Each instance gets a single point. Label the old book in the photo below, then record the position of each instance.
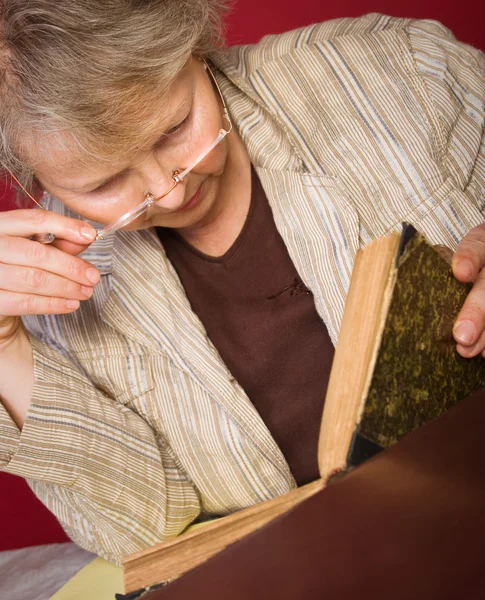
(395, 368)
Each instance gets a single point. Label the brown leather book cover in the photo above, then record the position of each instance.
(407, 524)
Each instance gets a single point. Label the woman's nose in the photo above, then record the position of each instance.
(161, 184)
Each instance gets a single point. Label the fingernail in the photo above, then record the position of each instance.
(88, 233)
(87, 291)
(464, 332)
(464, 267)
(93, 275)
(72, 303)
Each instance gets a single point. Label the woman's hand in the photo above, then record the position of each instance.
(468, 263)
(41, 279)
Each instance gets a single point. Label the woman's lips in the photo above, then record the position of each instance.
(192, 202)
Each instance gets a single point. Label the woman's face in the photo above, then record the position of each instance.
(192, 118)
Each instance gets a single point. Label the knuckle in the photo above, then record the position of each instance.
(37, 252)
(471, 309)
(35, 278)
(52, 305)
(37, 217)
(28, 305)
(474, 313)
(71, 289)
(74, 267)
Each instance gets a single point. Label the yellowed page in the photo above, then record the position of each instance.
(362, 323)
(171, 559)
(99, 580)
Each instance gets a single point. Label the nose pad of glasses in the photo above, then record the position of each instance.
(176, 176)
(149, 199)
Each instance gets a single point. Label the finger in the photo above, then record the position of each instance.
(14, 304)
(474, 350)
(70, 247)
(28, 222)
(469, 257)
(470, 323)
(25, 253)
(30, 280)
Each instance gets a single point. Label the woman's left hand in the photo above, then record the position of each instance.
(468, 263)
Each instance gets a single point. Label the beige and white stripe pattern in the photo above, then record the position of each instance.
(136, 425)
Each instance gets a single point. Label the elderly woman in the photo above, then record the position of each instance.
(177, 367)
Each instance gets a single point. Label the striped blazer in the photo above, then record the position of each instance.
(136, 425)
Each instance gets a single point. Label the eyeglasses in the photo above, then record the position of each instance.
(149, 199)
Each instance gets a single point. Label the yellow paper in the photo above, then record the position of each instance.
(99, 580)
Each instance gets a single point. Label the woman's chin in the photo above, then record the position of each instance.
(176, 220)
(187, 219)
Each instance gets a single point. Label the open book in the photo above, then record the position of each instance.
(395, 368)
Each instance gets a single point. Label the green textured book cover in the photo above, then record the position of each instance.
(418, 373)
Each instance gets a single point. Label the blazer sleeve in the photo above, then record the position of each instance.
(99, 467)
(452, 75)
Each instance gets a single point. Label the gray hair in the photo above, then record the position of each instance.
(91, 69)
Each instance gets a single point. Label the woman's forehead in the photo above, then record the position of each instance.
(60, 156)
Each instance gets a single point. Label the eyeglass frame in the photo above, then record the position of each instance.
(177, 177)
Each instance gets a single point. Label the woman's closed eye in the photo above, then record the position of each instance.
(172, 133)
(108, 184)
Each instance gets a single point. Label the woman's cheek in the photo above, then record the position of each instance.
(215, 161)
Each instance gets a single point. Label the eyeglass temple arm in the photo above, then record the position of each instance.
(25, 191)
(43, 238)
(180, 176)
(222, 132)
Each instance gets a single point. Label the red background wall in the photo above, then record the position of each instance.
(252, 19)
(23, 520)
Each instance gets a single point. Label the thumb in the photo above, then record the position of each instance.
(69, 247)
(469, 257)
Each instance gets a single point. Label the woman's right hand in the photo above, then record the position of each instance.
(41, 279)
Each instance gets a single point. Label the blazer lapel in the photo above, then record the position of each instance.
(147, 303)
(321, 231)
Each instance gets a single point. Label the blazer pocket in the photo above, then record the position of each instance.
(123, 378)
